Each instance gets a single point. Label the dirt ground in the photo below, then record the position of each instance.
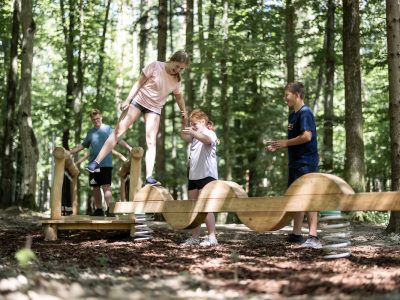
(245, 265)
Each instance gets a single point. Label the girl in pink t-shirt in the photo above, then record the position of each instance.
(148, 95)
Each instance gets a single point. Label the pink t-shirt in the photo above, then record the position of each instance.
(158, 86)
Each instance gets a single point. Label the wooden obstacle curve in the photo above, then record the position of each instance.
(311, 192)
(63, 161)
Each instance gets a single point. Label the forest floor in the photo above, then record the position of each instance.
(245, 265)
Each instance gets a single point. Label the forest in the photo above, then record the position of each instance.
(60, 59)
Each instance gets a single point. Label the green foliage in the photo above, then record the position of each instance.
(25, 257)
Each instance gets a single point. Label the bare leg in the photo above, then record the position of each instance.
(312, 218)
(97, 197)
(193, 194)
(152, 123)
(298, 222)
(128, 117)
(107, 194)
(210, 224)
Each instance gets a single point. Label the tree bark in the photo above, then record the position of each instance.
(7, 169)
(102, 54)
(189, 91)
(354, 155)
(30, 152)
(209, 59)
(69, 50)
(225, 104)
(393, 45)
(161, 56)
(290, 40)
(329, 89)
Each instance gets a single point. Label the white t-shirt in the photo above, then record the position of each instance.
(158, 86)
(203, 157)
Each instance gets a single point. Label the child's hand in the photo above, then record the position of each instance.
(124, 105)
(187, 130)
(275, 145)
(270, 148)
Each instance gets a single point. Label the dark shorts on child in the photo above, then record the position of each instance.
(101, 178)
(296, 172)
(143, 109)
(200, 183)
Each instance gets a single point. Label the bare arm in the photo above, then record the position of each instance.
(76, 149)
(182, 107)
(205, 139)
(304, 137)
(135, 88)
(81, 159)
(125, 145)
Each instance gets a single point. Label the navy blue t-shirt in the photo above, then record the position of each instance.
(307, 153)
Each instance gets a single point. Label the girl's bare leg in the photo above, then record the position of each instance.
(193, 194)
(127, 118)
(152, 123)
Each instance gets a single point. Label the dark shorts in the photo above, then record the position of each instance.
(296, 172)
(143, 109)
(200, 183)
(101, 178)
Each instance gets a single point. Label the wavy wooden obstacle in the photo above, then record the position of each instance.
(63, 161)
(312, 192)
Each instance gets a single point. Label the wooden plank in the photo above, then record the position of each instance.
(383, 201)
(95, 226)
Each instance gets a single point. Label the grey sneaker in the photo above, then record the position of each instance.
(190, 242)
(312, 242)
(209, 241)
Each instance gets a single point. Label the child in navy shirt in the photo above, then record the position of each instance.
(303, 156)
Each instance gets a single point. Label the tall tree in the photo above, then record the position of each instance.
(189, 91)
(225, 103)
(329, 89)
(290, 41)
(354, 154)
(7, 169)
(210, 58)
(30, 152)
(102, 53)
(393, 45)
(69, 35)
(161, 56)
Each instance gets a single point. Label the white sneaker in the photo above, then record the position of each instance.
(209, 241)
(191, 241)
(312, 242)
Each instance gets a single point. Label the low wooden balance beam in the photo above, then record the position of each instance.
(63, 161)
(311, 192)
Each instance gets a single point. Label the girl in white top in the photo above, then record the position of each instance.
(202, 167)
(148, 96)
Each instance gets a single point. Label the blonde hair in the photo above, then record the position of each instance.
(94, 112)
(180, 56)
(198, 114)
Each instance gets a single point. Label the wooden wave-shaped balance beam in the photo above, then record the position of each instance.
(311, 192)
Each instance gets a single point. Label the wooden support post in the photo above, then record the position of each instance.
(136, 170)
(59, 154)
(50, 232)
(122, 173)
(73, 172)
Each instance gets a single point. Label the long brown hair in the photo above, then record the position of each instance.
(198, 114)
(180, 56)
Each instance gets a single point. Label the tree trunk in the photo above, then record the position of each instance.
(30, 152)
(330, 79)
(354, 156)
(225, 104)
(69, 50)
(161, 56)
(102, 54)
(209, 59)
(143, 37)
(189, 91)
(290, 40)
(7, 169)
(393, 45)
